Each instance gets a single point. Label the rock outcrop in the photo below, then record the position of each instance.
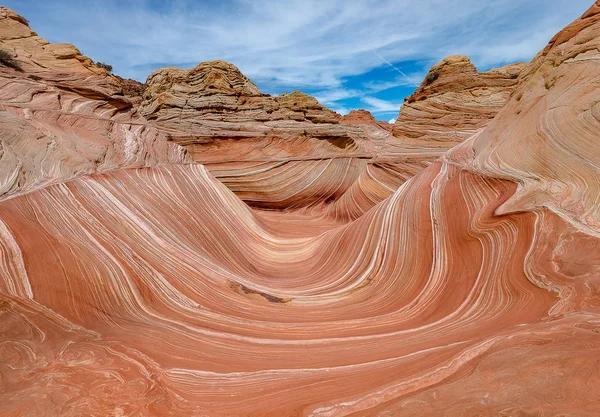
(473, 288)
(257, 144)
(453, 102)
(283, 152)
(62, 117)
(363, 117)
(546, 137)
(213, 108)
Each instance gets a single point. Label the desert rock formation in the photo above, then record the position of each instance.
(283, 152)
(62, 117)
(136, 280)
(453, 102)
(257, 144)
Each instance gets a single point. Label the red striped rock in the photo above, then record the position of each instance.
(472, 289)
(257, 144)
(363, 117)
(546, 138)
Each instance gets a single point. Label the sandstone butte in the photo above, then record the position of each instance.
(193, 247)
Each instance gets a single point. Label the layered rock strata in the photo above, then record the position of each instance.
(62, 117)
(281, 152)
(453, 102)
(257, 144)
(472, 289)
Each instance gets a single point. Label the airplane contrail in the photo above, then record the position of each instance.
(391, 65)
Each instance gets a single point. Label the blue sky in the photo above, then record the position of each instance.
(348, 53)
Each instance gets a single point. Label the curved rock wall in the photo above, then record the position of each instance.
(546, 138)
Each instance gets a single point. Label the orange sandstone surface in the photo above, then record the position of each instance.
(203, 249)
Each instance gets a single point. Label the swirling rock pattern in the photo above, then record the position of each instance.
(184, 266)
(257, 144)
(62, 117)
(546, 138)
(156, 290)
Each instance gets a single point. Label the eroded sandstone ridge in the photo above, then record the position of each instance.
(286, 151)
(257, 144)
(138, 281)
(453, 102)
(61, 116)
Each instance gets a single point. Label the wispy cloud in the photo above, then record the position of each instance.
(410, 80)
(377, 105)
(334, 95)
(341, 110)
(306, 44)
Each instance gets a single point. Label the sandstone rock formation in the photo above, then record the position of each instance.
(257, 145)
(149, 287)
(546, 138)
(281, 152)
(61, 116)
(213, 106)
(453, 102)
(363, 117)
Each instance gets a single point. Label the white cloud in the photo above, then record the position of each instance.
(392, 121)
(304, 43)
(411, 80)
(377, 105)
(331, 96)
(341, 110)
